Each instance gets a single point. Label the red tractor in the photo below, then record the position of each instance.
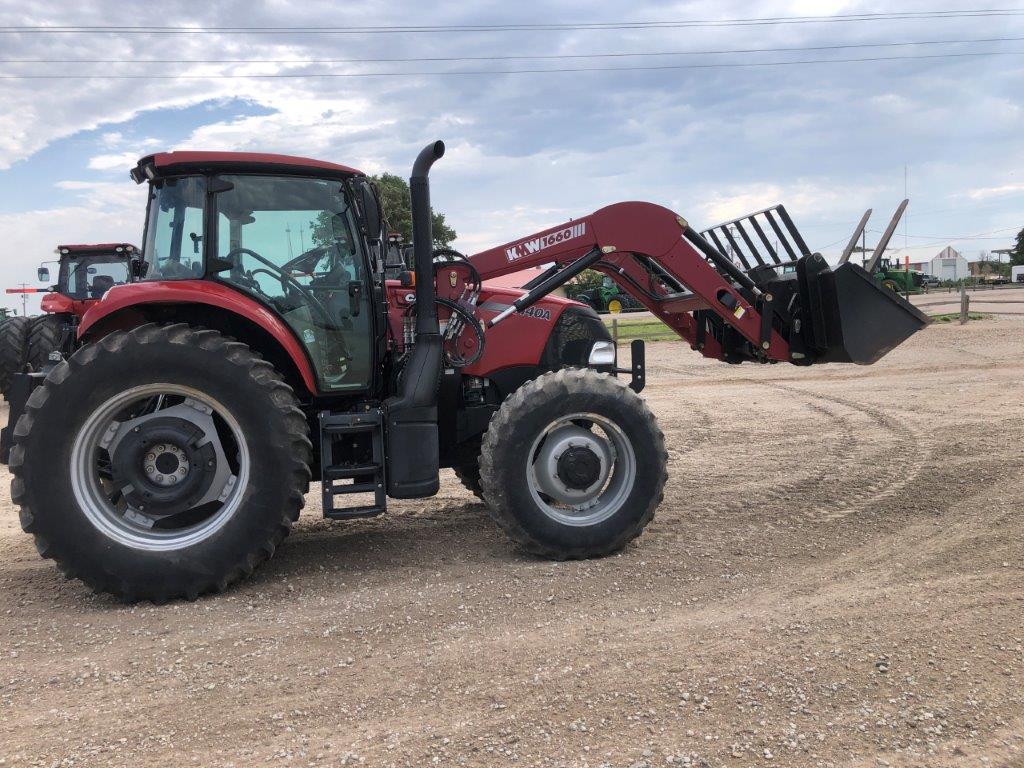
(85, 273)
(171, 453)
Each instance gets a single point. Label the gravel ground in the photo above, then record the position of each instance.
(834, 578)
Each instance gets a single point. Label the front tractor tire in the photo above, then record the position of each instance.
(160, 463)
(13, 349)
(573, 465)
(44, 335)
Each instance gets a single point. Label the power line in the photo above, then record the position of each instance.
(522, 57)
(538, 27)
(940, 238)
(448, 73)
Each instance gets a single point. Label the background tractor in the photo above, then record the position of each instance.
(606, 296)
(897, 278)
(84, 274)
(170, 454)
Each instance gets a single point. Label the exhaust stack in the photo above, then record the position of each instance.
(412, 435)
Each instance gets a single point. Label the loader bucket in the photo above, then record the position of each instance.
(855, 318)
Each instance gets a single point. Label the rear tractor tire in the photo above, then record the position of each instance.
(13, 349)
(573, 465)
(159, 463)
(467, 468)
(44, 336)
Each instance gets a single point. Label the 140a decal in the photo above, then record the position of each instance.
(538, 312)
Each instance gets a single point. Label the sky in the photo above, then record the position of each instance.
(528, 150)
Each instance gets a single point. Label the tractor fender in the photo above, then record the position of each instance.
(125, 306)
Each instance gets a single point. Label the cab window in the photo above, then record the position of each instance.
(90, 277)
(174, 230)
(291, 243)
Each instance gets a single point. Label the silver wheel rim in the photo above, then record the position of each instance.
(134, 527)
(616, 477)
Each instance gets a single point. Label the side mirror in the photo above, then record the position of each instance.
(372, 221)
(44, 274)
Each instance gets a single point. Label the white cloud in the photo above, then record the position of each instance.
(984, 193)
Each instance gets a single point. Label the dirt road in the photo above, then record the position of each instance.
(834, 578)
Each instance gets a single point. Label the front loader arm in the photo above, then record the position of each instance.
(646, 250)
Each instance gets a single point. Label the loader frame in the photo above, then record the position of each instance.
(659, 259)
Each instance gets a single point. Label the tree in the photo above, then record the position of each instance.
(394, 197)
(396, 202)
(585, 281)
(1017, 257)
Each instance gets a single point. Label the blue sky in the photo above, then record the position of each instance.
(527, 151)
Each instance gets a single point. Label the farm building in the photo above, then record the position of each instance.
(949, 264)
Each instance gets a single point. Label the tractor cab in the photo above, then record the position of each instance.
(288, 234)
(85, 273)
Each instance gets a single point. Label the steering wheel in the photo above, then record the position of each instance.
(288, 283)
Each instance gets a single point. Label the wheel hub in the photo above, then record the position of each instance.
(164, 465)
(572, 465)
(579, 467)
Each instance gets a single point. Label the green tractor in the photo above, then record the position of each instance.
(608, 297)
(897, 278)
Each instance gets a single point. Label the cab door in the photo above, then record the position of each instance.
(291, 243)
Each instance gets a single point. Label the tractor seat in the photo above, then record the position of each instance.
(100, 285)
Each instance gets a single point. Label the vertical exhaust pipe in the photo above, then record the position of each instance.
(413, 456)
(423, 238)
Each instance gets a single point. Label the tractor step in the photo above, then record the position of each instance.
(352, 449)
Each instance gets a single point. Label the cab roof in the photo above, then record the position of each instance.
(96, 248)
(173, 163)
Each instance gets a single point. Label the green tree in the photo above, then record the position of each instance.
(396, 202)
(586, 280)
(1017, 257)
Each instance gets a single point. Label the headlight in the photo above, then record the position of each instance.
(602, 353)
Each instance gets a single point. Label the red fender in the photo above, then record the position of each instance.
(213, 294)
(58, 303)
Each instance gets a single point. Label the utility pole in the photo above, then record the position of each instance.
(24, 299)
(906, 196)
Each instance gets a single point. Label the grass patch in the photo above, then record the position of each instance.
(950, 317)
(644, 328)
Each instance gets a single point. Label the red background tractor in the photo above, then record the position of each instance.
(85, 273)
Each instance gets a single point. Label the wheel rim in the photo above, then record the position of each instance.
(159, 467)
(589, 495)
(614, 306)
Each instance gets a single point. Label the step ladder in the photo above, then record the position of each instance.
(340, 474)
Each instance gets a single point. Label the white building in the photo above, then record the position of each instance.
(949, 264)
